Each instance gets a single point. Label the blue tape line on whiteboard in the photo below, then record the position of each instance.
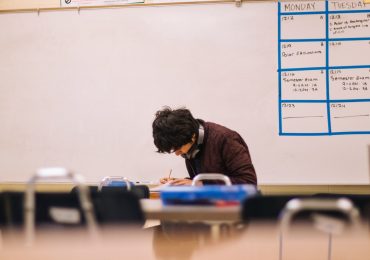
(326, 134)
(302, 13)
(348, 100)
(323, 101)
(328, 111)
(323, 12)
(305, 134)
(323, 39)
(329, 39)
(303, 40)
(349, 39)
(302, 69)
(279, 67)
(351, 133)
(324, 68)
(349, 67)
(303, 101)
(349, 12)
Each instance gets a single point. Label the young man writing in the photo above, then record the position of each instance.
(207, 147)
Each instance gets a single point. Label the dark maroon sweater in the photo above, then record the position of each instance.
(223, 151)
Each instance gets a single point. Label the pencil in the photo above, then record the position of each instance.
(169, 176)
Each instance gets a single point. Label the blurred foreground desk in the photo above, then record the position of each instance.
(154, 209)
(256, 243)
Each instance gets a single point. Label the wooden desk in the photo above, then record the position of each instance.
(154, 209)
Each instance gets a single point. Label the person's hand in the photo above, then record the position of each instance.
(180, 182)
(165, 180)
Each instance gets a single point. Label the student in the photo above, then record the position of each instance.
(207, 147)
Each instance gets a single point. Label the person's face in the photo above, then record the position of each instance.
(185, 148)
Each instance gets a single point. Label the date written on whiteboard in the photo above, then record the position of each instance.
(333, 44)
(287, 18)
(287, 105)
(338, 105)
(334, 17)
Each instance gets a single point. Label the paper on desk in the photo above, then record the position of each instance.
(149, 183)
(159, 187)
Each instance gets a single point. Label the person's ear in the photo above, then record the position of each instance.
(193, 138)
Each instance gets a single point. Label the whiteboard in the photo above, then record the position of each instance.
(80, 90)
(324, 84)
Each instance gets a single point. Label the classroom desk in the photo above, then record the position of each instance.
(263, 242)
(258, 242)
(154, 209)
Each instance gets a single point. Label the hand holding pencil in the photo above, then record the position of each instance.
(174, 181)
(167, 179)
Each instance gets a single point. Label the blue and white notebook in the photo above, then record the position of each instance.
(207, 195)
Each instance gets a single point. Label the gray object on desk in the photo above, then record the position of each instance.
(56, 173)
(326, 224)
(106, 180)
(211, 176)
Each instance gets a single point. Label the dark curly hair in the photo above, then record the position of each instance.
(172, 128)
